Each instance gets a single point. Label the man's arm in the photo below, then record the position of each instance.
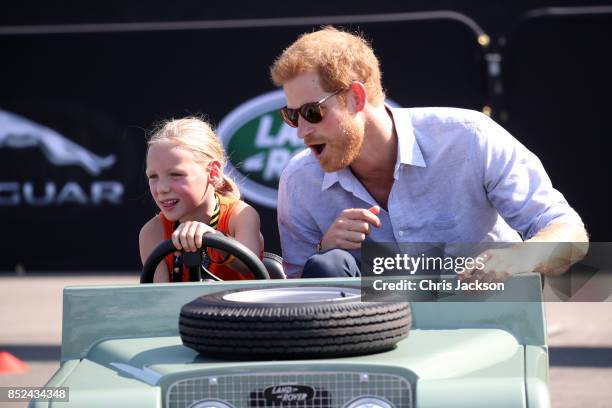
(550, 252)
(519, 188)
(567, 244)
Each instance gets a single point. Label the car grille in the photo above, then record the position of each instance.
(329, 389)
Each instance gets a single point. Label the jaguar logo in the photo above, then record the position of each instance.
(288, 393)
(18, 132)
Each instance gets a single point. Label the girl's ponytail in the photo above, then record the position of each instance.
(228, 188)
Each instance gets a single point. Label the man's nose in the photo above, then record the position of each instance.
(304, 127)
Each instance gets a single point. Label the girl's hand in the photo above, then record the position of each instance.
(188, 235)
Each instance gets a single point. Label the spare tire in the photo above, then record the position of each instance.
(291, 322)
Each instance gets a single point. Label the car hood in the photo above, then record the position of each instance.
(428, 354)
(461, 367)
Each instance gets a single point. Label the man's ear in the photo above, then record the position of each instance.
(358, 95)
(215, 174)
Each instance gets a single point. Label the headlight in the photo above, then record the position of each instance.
(369, 402)
(210, 404)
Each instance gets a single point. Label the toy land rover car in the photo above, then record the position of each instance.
(297, 343)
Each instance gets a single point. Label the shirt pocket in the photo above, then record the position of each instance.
(444, 228)
(444, 221)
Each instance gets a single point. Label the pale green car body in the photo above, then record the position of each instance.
(121, 348)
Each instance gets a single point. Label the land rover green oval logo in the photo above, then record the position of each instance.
(259, 145)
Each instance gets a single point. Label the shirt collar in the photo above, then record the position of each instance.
(342, 176)
(408, 151)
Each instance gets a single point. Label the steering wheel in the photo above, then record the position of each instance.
(217, 241)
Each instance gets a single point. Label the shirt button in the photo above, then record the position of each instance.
(401, 233)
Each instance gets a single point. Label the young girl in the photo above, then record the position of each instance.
(185, 161)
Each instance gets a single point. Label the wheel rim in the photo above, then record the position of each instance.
(295, 295)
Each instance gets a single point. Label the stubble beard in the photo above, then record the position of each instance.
(346, 148)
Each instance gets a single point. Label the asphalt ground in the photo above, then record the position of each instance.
(580, 337)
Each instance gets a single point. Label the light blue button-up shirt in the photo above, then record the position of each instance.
(459, 177)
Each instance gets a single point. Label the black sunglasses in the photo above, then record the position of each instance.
(310, 111)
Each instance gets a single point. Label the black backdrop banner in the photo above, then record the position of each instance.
(76, 103)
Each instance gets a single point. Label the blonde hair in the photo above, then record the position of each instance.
(338, 57)
(197, 136)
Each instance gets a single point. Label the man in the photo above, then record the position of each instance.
(415, 175)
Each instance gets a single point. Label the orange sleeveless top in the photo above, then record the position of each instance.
(226, 209)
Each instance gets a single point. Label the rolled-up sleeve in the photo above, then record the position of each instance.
(299, 234)
(517, 184)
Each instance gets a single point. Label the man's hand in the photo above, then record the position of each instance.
(350, 229)
(502, 263)
(547, 258)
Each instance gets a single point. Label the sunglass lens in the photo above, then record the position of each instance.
(290, 116)
(311, 112)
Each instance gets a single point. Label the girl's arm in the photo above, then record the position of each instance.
(244, 226)
(151, 234)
